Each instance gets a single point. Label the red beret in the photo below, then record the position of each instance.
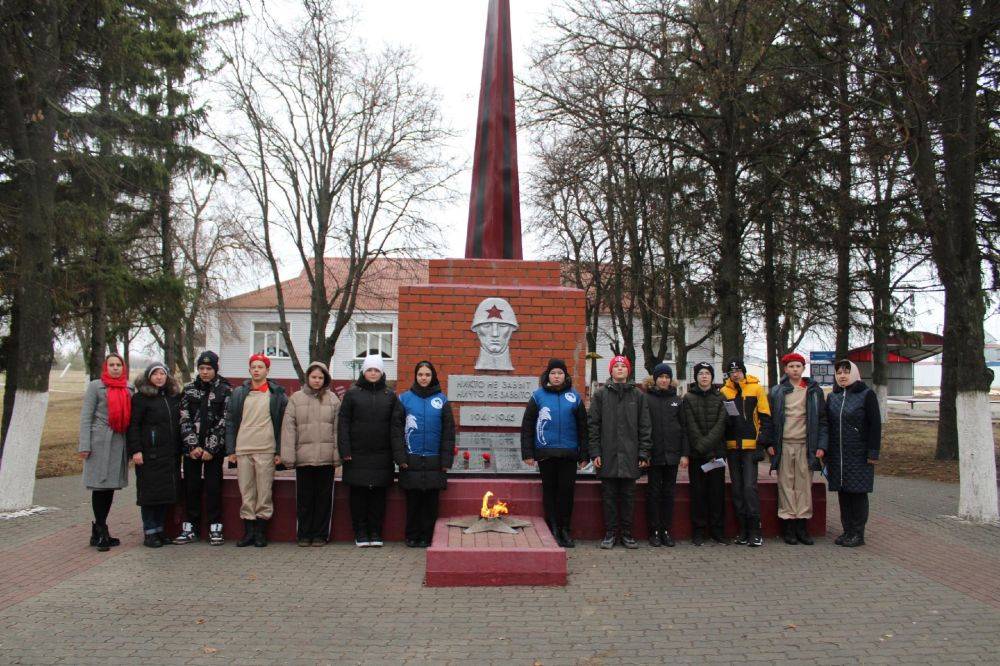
(620, 359)
(263, 359)
(788, 358)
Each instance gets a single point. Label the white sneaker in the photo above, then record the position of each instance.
(362, 542)
(187, 534)
(215, 534)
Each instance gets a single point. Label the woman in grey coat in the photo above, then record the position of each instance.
(104, 419)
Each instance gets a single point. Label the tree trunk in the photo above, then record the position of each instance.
(10, 378)
(98, 327)
(770, 300)
(842, 307)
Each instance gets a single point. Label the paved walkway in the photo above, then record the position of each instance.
(925, 589)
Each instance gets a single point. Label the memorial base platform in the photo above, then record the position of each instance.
(530, 557)
(523, 497)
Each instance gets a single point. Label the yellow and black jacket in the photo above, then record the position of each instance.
(752, 427)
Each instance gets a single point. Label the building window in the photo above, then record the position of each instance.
(373, 338)
(668, 355)
(268, 340)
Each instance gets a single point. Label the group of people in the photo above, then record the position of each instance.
(179, 438)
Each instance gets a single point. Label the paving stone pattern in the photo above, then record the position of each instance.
(923, 591)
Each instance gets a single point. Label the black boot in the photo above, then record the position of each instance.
(802, 533)
(103, 539)
(95, 534)
(654, 538)
(666, 539)
(249, 530)
(567, 539)
(788, 532)
(260, 534)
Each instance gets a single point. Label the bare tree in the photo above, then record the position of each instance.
(341, 151)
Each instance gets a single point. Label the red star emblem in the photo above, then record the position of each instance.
(494, 313)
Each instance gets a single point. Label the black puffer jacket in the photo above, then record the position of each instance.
(855, 424)
(619, 430)
(669, 438)
(155, 432)
(365, 433)
(705, 422)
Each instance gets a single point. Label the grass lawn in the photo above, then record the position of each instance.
(907, 446)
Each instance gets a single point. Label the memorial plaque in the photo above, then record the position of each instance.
(490, 388)
(493, 417)
(504, 449)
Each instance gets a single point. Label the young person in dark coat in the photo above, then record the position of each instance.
(154, 442)
(253, 442)
(365, 441)
(104, 420)
(620, 437)
(705, 422)
(670, 451)
(855, 426)
(203, 433)
(423, 445)
(798, 444)
(554, 434)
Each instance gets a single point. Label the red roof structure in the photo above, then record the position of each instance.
(906, 348)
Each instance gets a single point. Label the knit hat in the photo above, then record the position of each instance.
(736, 364)
(620, 359)
(662, 369)
(788, 358)
(262, 358)
(373, 361)
(698, 367)
(153, 367)
(208, 358)
(556, 363)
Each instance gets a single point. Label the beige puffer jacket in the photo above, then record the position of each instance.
(309, 430)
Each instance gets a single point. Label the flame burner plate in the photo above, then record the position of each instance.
(503, 524)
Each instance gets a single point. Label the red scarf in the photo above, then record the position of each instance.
(119, 400)
(262, 388)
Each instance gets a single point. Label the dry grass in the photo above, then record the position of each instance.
(57, 456)
(907, 446)
(908, 450)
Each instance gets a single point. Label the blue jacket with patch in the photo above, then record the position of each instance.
(422, 428)
(554, 424)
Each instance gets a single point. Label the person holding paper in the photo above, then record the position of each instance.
(620, 437)
(798, 445)
(670, 451)
(855, 440)
(705, 423)
(747, 430)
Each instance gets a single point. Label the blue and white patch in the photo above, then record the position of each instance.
(437, 403)
(571, 397)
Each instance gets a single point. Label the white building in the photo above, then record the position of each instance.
(248, 323)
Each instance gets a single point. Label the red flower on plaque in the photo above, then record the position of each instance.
(456, 451)
(486, 456)
(466, 455)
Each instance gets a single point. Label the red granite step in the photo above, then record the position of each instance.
(530, 557)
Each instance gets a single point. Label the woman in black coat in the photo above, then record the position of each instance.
(154, 443)
(365, 441)
(855, 427)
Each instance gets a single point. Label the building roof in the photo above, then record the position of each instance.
(379, 290)
(908, 347)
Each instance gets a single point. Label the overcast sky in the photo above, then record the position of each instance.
(446, 36)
